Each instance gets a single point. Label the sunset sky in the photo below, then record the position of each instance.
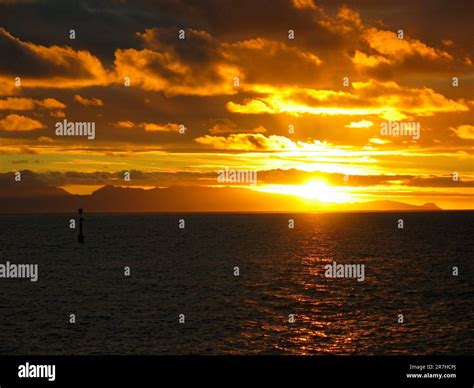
(302, 112)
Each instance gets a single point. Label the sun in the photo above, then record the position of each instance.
(321, 192)
(316, 190)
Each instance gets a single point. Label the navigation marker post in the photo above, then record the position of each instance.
(80, 237)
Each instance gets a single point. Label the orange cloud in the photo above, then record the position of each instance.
(377, 140)
(203, 66)
(45, 139)
(58, 113)
(301, 4)
(124, 124)
(464, 131)
(7, 87)
(152, 127)
(172, 65)
(53, 67)
(362, 59)
(346, 23)
(88, 101)
(263, 61)
(21, 103)
(349, 15)
(387, 43)
(389, 57)
(17, 104)
(50, 103)
(227, 126)
(387, 100)
(258, 142)
(19, 123)
(245, 142)
(149, 127)
(163, 72)
(360, 124)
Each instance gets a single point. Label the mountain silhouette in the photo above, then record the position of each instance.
(39, 198)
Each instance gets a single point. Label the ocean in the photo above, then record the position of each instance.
(183, 295)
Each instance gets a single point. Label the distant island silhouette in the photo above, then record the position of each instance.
(41, 198)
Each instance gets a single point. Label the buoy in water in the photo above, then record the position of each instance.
(80, 237)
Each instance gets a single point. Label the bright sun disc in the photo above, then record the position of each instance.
(312, 190)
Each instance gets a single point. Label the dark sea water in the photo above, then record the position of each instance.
(407, 271)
